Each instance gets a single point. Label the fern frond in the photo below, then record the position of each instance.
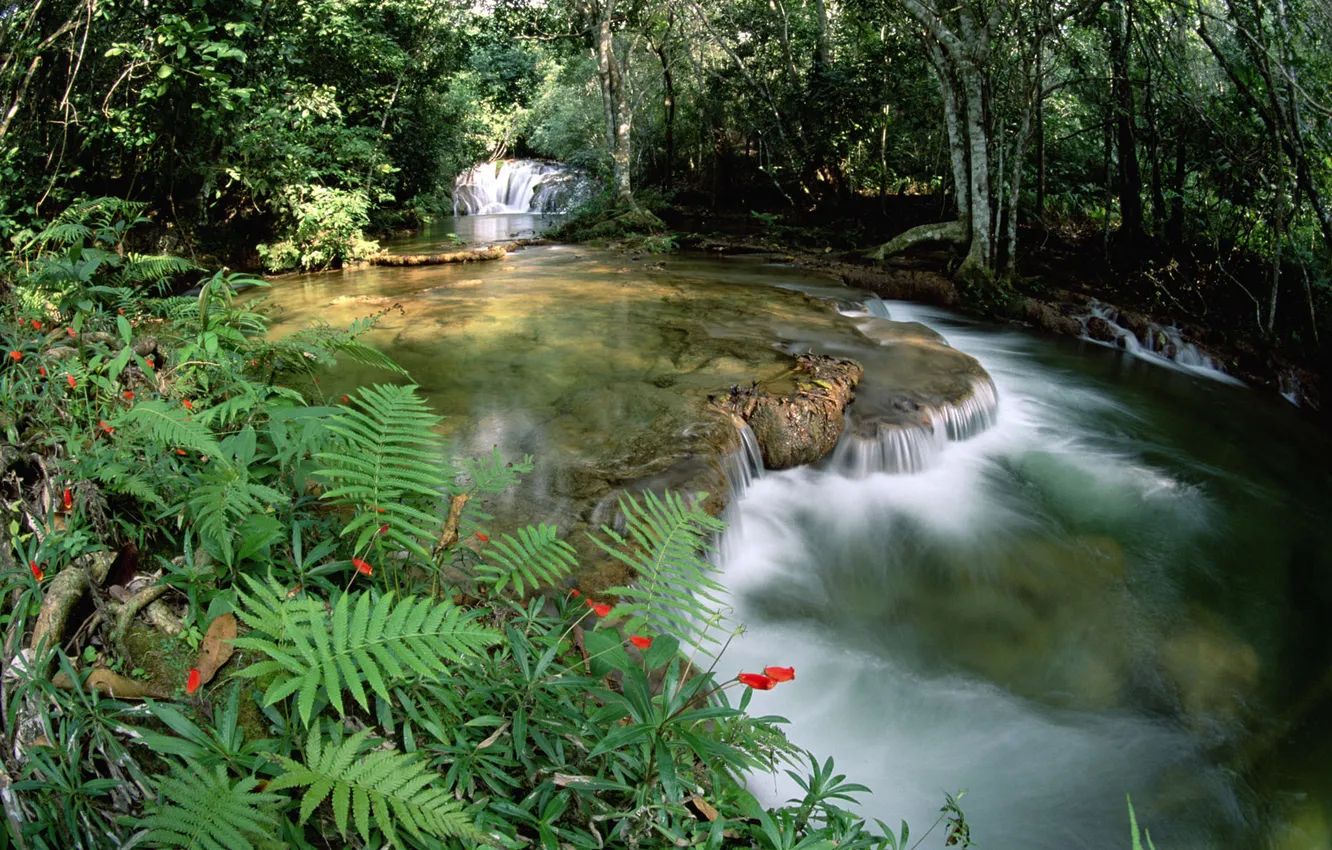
(667, 546)
(207, 810)
(381, 790)
(389, 458)
(322, 338)
(534, 558)
(171, 426)
(118, 478)
(143, 269)
(363, 639)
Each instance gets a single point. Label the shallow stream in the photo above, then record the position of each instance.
(1122, 587)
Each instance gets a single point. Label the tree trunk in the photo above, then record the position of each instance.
(1130, 174)
(957, 148)
(1175, 231)
(669, 82)
(978, 255)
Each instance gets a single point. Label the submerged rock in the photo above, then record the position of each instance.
(801, 426)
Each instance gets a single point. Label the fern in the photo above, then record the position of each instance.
(535, 558)
(205, 809)
(324, 339)
(223, 501)
(381, 789)
(389, 455)
(362, 638)
(118, 478)
(171, 426)
(669, 541)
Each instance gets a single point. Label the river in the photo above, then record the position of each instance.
(1121, 587)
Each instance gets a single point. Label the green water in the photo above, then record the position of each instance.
(1124, 586)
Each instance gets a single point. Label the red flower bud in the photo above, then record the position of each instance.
(120, 310)
(36, 571)
(345, 399)
(70, 331)
(41, 370)
(640, 641)
(483, 538)
(36, 325)
(105, 427)
(362, 567)
(180, 452)
(779, 674)
(192, 683)
(129, 395)
(16, 356)
(68, 500)
(151, 364)
(72, 383)
(188, 404)
(383, 528)
(601, 609)
(575, 593)
(757, 681)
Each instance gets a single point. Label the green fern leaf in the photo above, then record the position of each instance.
(207, 810)
(667, 546)
(536, 557)
(171, 426)
(381, 790)
(363, 641)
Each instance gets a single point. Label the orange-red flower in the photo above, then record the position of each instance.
(188, 404)
(483, 538)
(72, 383)
(151, 364)
(362, 567)
(757, 681)
(180, 452)
(640, 641)
(105, 427)
(120, 310)
(68, 500)
(129, 395)
(600, 608)
(383, 528)
(779, 674)
(345, 399)
(36, 325)
(575, 593)
(16, 356)
(36, 571)
(41, 370)
(70, 331)
(192, 683)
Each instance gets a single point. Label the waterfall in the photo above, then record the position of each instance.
(743, 466)
(518, 186)
(1159, 343)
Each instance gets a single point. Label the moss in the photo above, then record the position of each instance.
(615, 223)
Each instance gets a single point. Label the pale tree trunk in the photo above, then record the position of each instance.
(957, 150)
(978, 253)
(615, 103)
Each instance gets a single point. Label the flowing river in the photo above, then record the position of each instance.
(1120, 587)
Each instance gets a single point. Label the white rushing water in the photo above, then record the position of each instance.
(1163, 344)
(942, 642)
(518, 186)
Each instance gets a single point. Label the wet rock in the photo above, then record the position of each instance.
(804, 425)
(1046, 316)
(1101, 330)
(1136, 324)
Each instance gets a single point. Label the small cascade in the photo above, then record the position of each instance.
(876, 307)
(518, 186)
(908, 448)
(1160, 343)
(743, 466)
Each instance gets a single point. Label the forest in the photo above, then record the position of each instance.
(181, 483)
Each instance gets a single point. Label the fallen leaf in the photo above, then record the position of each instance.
(216, 647)
(494, 736)
(701, 809)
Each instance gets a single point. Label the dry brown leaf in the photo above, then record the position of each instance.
(115, 685)
(494, 736)
(701, 809)
(216, 647)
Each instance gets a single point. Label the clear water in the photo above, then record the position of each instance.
(1120, 588)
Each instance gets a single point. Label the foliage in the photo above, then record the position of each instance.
(208, 810)
(324, 230)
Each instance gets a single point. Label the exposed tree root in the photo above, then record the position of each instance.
(955, 232)
(62, 594)
(494, 252)
(131, 609)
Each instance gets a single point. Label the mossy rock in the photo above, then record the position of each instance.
(610, 224)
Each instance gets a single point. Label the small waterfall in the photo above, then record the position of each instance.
(518, 186)
(743, 466)
(876, 307)
(1159, 343)
(908, 448)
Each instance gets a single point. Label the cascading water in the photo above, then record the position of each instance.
(518, 186)
(1007, 620)
(1161, 343)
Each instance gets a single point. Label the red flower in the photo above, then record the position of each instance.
(72, 383)
(378, 509)
(129, 395)
(36, 325)
(121, 311)
(105, 427)
(345, 399)
(36, 571)
(757, 681)
(483, 538)
(316, 380)
(779, 674)
(41, 370)
(192, 683)
(151, 364)
(180, 452)
(575, 593)
(383, 528)
(362, 567)
(188, 404)
(16, 356)
(640, 641)
(68, 500)
(601, 609)
(70, 331)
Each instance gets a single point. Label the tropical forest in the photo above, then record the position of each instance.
(665, 424)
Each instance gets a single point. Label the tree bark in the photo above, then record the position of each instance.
(1130, 173)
